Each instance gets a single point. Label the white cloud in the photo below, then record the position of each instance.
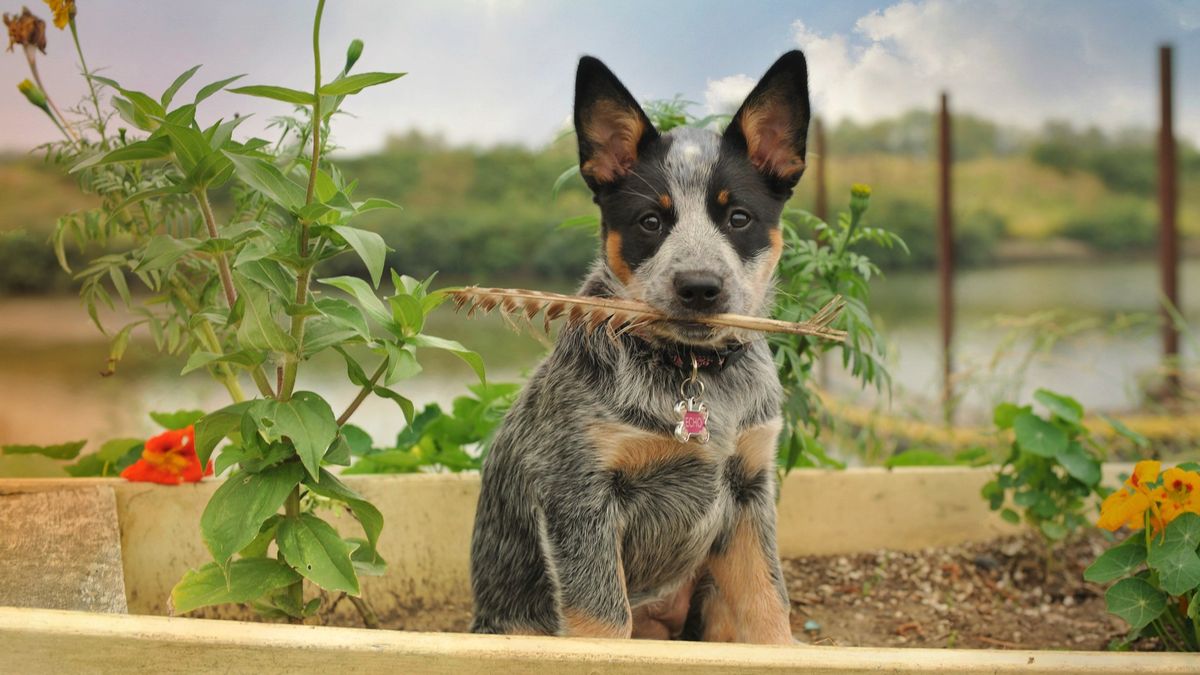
(1019, 63)
(725, 95)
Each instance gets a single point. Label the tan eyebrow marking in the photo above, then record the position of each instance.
(664, 200)
(723, 197)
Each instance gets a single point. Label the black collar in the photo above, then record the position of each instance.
(679, 356)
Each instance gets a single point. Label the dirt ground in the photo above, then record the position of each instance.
(995, 595)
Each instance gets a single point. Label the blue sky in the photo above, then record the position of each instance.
(488, 71)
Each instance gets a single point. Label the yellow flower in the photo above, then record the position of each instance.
(25, 29)
(64, 11)
(1180, 493)
(1123, 508)
(1144, 473)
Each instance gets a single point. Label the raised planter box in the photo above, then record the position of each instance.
(426, 542)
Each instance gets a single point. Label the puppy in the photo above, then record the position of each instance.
(630, 491)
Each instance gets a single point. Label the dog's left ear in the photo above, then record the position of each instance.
(611, 127)
(772, 124)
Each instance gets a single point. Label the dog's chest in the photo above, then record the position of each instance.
(675, 499)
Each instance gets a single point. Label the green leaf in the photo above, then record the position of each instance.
(238, 508)
(258, 329)
(408, 314)
(562, 180)
(1064, 407)
(406, 406)
(151, 148)
(1182, 534)
(276, 93)
(1119, 426)
(1010, 516)
(314, 549)
(60, 451)
(367, 561)
(162, 251)
(353, 84)
(1179, 572)
(109, 460)
(306, 420)
(369, 246)
(1038, 436)
(1135, 601)
(214, 426)
(1054, 531)
(1006, 413)
(359, 440)
(917, 457)
(1119, 561)
(210, 89)
(363, 294)
(169, 94)
(1080, 465)
(344, 314)
(262, 542)
(178, 419)
(580, 222)
(248, 580)
(269, 180)
(471, 358)
(367, 515)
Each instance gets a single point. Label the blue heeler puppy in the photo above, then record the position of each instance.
(630, 492)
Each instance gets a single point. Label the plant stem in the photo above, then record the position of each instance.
(362, 395)
(291, 509)
(87, 75)
(210, 222)
(292, 363)
(210, 339)
(369, 617)
(29, 56)
(222, 263)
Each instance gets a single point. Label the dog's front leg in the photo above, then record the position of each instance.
(580, 534)
(747, 600)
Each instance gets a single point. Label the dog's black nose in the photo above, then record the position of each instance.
(698, 291)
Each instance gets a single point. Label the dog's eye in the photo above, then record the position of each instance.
(650, 223)
(739, 219)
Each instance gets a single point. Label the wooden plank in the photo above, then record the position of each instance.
(45, 641)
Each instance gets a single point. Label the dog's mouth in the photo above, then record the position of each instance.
(690, 332)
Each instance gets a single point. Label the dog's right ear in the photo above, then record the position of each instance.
(610, 125)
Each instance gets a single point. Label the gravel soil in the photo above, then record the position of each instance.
(1003, 594)
(995, 595)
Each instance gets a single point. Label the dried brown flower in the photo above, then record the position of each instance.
(25, 29)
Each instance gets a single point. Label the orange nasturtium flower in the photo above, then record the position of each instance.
(64, 11)
(170, 459)
(1180, 493)
(1128, 505)
(25, 29)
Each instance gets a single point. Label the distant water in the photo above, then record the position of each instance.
(50, 354)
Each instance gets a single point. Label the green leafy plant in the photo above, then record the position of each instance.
(1053, 468)
(1156, 569)
(234, 294)
(438, 440)
(821, 261)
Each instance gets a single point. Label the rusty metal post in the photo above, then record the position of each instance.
(1168, 235)
(821, 205)
(821, 210)
(946, 259)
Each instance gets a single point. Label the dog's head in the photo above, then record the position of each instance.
(690, 218)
